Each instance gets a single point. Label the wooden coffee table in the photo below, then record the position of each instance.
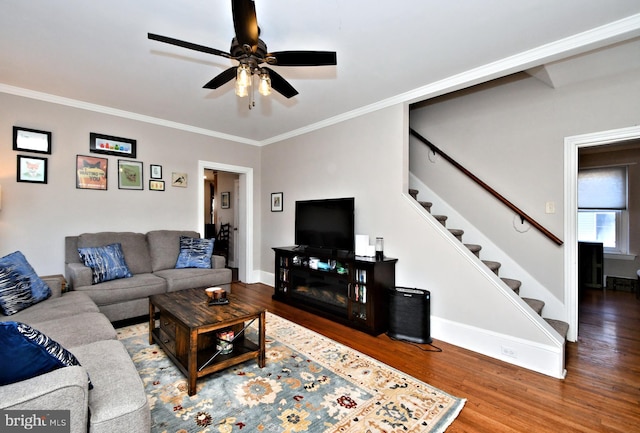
(184, 326)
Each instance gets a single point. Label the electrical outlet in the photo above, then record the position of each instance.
(510, 352)
(550, 207)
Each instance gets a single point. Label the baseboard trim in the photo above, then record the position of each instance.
(545, 359)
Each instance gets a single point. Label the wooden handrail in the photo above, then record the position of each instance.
(491, 191)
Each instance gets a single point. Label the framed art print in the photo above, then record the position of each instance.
(179, 179)
(276, 202)
(156, 185)
(110, 145)
(31, 140)
(155, 171)
(129, 174)
(32, 169)
(91, 172)
(225, 200)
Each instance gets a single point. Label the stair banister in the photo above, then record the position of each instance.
(522, 214)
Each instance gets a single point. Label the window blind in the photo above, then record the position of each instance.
(602, 188)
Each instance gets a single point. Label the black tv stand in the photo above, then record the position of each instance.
(336, 284)
(304, 249)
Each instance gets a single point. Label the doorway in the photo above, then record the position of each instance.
(572, 146)
(244, 211)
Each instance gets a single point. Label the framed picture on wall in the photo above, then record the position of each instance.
(156, 185)
(110, 145)
(129, 174)
(276, 202)
(31, 140)
(225, 200)
(155, 171)
(31, 169)
(91, 172)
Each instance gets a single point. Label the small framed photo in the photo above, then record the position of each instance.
(276, 202)
(156, 185)
(129, 174)
(110, 145)
(31, 140)
(179, 179)
(155, 171)
(32, 169)
(91, 172)
(225, 200)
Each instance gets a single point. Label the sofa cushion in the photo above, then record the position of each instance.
(137, 287)
(180, 279)
(18, 262)
(69, 304)
(164, 247)
(107, 263)
(118, 402)
(15, 292)
(32, 353)
(134, 247)
(194, 253)
(78, 329)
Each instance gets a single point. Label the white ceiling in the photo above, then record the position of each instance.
(96, 53)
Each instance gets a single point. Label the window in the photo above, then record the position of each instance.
(602, 208)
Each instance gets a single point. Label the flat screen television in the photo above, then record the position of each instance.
(326, 224)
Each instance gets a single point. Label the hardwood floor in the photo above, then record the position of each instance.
(601, 392)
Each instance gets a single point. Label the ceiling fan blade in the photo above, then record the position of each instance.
(189, 45)
(281, 85)
(222, 78)
(304, 58)
(245, 23)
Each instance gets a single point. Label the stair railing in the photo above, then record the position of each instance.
(493, 192)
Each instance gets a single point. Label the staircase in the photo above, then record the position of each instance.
(536, 305)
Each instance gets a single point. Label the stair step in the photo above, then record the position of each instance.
(536, 304)
(475, 249)
(442, 219)
(494, 266)
(560, 326)
(427, 205)
(413, 193)
(513, 284)
(457, 233)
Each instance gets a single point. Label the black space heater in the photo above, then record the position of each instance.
(410, 315)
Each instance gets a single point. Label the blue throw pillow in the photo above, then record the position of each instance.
(17, 262)
(15, 292)
(107, 263)
(26, 352)
(195, 253)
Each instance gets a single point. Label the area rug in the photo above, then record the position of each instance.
(309, 384)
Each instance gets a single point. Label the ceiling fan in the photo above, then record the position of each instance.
(248, 49)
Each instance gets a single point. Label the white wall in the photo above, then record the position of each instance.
(511, 135)
(35, 218)
(366, 158)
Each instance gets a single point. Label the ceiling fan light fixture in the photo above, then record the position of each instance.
(265, 83)
(243, 75)
(243, 80)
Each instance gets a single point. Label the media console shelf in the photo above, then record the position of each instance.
(348, 289)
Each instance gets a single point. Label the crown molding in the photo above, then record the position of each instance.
(55, 99)
(617, 31)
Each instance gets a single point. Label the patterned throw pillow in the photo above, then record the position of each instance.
(30, 353)
(107, 263)
(15, 292)
(17, 262)
(195, 253)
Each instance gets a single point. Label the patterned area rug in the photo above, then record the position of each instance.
(310, 384)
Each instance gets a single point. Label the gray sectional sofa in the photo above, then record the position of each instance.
(116, 403)
(151, 258)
